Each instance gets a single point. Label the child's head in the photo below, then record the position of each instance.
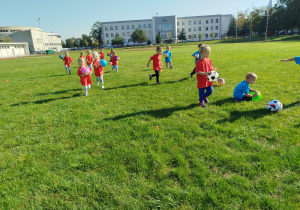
(81, 53)
(199, 45)
(101, 50)
(88, 52)
(95, 55)
(66, 54)
(158, 50)
(168, 48)
(204, 51)
(251, 78)
(113, 52)
(81, 62)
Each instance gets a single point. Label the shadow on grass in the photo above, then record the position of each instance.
(47, 100)
(225, 101)
(59, 92)
(58, 75)
(160, 113)
(126, 86)
(253, 114)
(287, 106)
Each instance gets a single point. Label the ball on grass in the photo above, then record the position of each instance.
(258, 97)
(274, 106)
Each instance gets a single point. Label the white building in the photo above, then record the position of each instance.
(11, 49)
(37, 39)
(168, 27)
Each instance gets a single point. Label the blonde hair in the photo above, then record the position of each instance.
(80, 59)
(88, 52)
(251, 75)
(204, 48)
(67, 53)
(95, 55)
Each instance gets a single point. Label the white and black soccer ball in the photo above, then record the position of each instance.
(274, 106)
(213, 76)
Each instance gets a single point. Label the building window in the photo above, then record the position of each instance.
(123, 33)
(144, 26)
(199, 28)
(132, 27)
(127, 27)
(106, 28)
(123, 27)
(183, 23)
(149, 32)
(206, 35)
(206, 21)
(145, 32)
(195, 22)
(111, 35)
(128, 33)
(190, 23)
(206, 28)
(216, 34)
(107, 35)
(199, 21)
(139, 26)
(107, 42)
(177, 23)
(189, 36)
(116, 27)
(111, 28)
(211, 28)
(195, 35)
(217, 27)
(149, 25)
(195, 29)
(178, 30)
(189, 30)
(217, 20)
(212, 21)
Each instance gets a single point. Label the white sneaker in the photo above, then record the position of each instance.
(89, 87)
(102, 86)
(97, 83)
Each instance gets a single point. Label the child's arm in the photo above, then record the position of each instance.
(148, 63)
(202, 73)
(285, 60)
(252, 90)
(214, 68)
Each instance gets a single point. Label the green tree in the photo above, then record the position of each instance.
(231, 31)
(158, 38)
(149, 42)
(245, 30)
(96, 32)
(86, 41)
(211, 35)
(200, 35)
(182, 35)
(118, 40)
(138, 36)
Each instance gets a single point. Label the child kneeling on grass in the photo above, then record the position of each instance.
(85, 79)
(241, 91)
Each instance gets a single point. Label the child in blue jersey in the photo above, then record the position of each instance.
(242, 90)
(196, 55)
(296, 59)
(168, 56)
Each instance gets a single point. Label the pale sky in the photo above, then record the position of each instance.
(74, 18)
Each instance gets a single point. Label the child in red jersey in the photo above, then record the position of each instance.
(98, 68)
(81, 55)
(101, 54)
(85, 79)
(114, 59)
(67, 59)
(89, 60)
(203, 67)
(157, 64)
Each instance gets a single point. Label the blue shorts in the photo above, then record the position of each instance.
(297, 60)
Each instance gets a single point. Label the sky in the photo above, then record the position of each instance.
(74, 18)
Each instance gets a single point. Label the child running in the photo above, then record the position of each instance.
(114, 59)
(196, 55)
(68, 61)
(85, 79)
(89, 60)
(81, 55)
(156, 64)
(203, 67)
(101, 54)
(168, 56)
(241, 91)
(98, 68)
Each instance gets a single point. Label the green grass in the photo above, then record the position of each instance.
(137, 145)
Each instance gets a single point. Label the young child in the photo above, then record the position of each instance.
(85, 79)
(101, 54)
(89, 60)
(68, 61)
(168, 56)
(114, 59)
(196, 55)
(296, 59)
(156, 64)
(203, 67)
(81, 55)
(241, 91)
(98, 68)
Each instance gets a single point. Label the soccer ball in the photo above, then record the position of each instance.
(166, 55)
(213, 76)
(197, 56)
(103, 62)
(220, 82)
(85, 70)
(61, 56)
(274, 106)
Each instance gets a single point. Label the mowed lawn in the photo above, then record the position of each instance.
(138, 145)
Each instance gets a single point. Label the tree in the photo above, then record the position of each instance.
(182, 35)
(231, 31)
(158, 38)
(63, 44)
(245, 30)
(200, 35)
(96, 43)
(211, 35)
(86, 41)
(96, 32)
(138, 36)
(149, 42)
(118, 40)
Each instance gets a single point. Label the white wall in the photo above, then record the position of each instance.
(12, 49)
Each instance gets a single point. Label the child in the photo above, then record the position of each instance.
(68, 61)
(85, 79)
(114, 59)
(168, 56)
(89, 60)
(81, 55)
(98, 70)
(296, 59)
(241, 91)
(101, 53)
(156, 64)
(196, 55)
(203, 67)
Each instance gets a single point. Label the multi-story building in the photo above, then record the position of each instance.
(169, 27)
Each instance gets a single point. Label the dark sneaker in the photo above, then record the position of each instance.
(191, 74)
(202, 104)
(206, 100)
(150, 77)
(158, 83)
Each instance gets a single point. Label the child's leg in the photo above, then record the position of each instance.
(69, 69)
(157, 76)
(193, 72)
(171, 64)
(166, 65)
(116, 67)
(209, 91)
(97, 80)
(85, 90)
(102, 81)
(201, 94)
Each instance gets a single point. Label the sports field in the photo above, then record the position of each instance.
(138, 145)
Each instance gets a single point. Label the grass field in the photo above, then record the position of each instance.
(138, 145)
